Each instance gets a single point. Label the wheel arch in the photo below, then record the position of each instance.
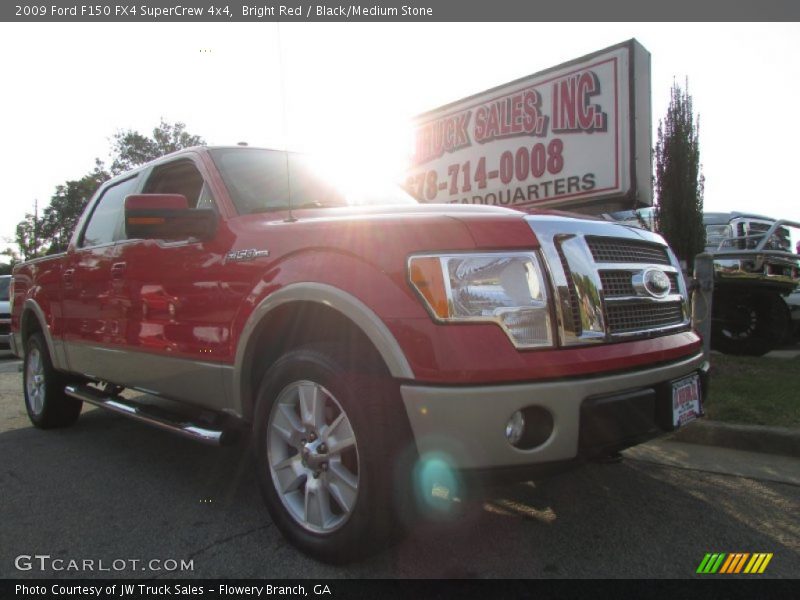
(305, 312)
(33, 319)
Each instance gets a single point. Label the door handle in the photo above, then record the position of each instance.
(68, 276)
(118, 270)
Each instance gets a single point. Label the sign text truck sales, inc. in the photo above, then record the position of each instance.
(576, 135)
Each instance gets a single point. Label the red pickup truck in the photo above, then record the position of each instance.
(354, 337)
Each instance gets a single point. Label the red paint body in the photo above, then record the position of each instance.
(121, 295)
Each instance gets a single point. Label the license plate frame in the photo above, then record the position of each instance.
(686, 400)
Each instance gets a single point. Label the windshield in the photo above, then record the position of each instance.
(257, 182)
(748, 234)
(4, 281)
(716, 235)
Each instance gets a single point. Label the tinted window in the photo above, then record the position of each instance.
(183, 178)
(105, 224)
(4, 281)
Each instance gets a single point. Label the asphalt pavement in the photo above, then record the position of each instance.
(110, 489)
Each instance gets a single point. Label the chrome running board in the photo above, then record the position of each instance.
(162, 420)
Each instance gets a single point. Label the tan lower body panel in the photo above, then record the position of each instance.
(199, 383)
(467, 424)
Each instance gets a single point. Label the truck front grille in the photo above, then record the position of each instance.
(615, 250)
(619, 283)
(573, 314)
(630, 318)
(602, 281)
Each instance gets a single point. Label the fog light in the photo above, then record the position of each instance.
(515, 428)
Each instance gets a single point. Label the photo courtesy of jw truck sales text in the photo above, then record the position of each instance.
(140, 590)
(376, 350)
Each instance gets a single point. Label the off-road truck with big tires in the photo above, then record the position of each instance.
(755, 269)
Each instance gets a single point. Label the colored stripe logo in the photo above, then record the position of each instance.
(735, 562)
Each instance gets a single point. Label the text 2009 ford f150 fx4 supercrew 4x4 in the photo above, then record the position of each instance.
(354, 337)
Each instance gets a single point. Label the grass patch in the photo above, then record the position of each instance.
(754, 391)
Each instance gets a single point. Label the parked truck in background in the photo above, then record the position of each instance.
(354, 338)
(756, 268)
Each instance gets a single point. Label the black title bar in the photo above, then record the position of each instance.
(731, 588)
(415, 11)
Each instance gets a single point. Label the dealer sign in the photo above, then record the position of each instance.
(574, 136)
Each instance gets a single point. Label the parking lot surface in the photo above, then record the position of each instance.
(110, 489)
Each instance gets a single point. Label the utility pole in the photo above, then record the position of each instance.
(36, 227)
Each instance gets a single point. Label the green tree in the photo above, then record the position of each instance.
(12, 257)
(27, 237)
(66, 206)
(131, 148)
(50, 232)
(679, 181)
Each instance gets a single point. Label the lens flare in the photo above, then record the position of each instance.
(436, 484)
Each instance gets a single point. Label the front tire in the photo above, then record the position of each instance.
(47, 405)
(327, 443)
(748, 324)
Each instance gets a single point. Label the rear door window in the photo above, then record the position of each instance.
(181, 177)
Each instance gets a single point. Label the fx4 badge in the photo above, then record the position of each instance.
(243, 255)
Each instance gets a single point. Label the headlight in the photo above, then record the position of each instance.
(507, 289)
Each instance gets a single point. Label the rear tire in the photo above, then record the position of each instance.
(328, 440)
(47, 405)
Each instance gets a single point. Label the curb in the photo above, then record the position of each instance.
(752, 438)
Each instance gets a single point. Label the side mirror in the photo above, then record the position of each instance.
(167, 217)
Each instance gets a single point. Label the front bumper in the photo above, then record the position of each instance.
(467, 424)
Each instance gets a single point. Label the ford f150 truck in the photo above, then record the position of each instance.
(354, 337)
(756, 268)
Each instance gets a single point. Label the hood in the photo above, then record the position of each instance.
(415, 227)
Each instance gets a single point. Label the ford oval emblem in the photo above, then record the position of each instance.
(656, 283)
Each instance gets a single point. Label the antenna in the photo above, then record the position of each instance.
(282, 79)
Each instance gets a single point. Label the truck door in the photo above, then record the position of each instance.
(174, 330)
(93, 303)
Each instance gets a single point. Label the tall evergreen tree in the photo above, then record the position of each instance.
(679, 179)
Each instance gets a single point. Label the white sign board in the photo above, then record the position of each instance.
(574, 136)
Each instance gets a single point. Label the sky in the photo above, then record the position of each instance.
(352, 88)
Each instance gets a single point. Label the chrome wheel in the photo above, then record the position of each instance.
(35, 381)
(313, 457)
(46, 402)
